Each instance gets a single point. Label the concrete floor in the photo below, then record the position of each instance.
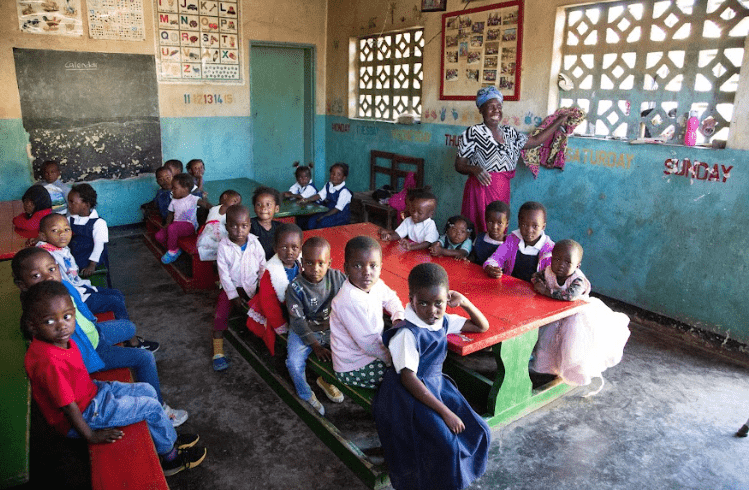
(665, 418)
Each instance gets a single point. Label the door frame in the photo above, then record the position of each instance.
(309, 51)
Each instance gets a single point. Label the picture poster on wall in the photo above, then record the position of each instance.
(121, 20)
(198, 40)
(481, 47)
(62, 17)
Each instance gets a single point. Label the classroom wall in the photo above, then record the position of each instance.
(653, 237)
(219, 134)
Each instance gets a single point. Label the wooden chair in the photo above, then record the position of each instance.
(396, 167)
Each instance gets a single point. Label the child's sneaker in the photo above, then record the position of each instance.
(178, 417)
(186, 458)
(149, 345)
(220, 363)
(186, 440)
(315, 403)
(333, 393)
(170, 257)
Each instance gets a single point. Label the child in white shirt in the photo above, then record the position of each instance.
(214, 229)
(303, 187)
(419, 227)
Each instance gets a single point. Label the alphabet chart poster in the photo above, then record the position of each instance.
(198, 41)
(50, 17)
(121, 20)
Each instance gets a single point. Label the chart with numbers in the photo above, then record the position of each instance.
(116, 19)
(198, 41)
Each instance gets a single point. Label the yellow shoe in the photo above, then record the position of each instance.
(333, 393)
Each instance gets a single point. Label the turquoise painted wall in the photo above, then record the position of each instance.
(652, 238)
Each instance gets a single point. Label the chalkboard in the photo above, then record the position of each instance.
(96, 114)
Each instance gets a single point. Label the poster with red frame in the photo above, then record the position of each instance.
(481, 47)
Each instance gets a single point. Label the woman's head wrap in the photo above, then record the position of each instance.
(486, 94)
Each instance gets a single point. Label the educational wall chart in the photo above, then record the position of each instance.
(198, 41)
(481, 47)
(121, 20)
(50, 17)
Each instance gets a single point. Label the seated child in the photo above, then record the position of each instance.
(419, 226)
(175, 166)
(182, 219)
(308, 299)
(196, 168)
(36, 205)
(55, 235)
(58, 192)
(422, 419)
(303, 187)
(526, 250)
(457, 240)
(497, 216)
(356, 324)
(77, 406)
(97, 341)
(240, 260)
(214, 229)
(90, 232)
(267, 313)
(335, 196)
(163, 196)
(266, 202)
(580, 347)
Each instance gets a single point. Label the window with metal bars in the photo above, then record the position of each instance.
(640, 67)
(389, 74)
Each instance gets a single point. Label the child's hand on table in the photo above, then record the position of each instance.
(405, 243)
(435, 249)
(321, 352)
(540, 286)
(105, 436)
(385, 235)
(493, 271)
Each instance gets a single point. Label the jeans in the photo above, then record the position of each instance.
(120, 404)
(140, 360)
(296, 360)
(108, 300)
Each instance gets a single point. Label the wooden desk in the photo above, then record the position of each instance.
(11, 241)
(513, 308)
(246, 187)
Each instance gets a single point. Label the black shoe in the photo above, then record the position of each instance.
(149, 345)
(186, 440)
(743, 431)
(186, 459)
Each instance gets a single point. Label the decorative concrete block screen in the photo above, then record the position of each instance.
(389, 74)
(639, 67)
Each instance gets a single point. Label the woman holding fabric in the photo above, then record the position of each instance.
(488, 154)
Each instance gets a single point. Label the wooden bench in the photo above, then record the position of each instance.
(396, 168)
(130, 463)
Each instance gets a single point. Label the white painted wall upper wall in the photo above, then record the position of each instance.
(282, 21)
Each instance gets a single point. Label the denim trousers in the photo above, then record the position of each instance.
(120, 404)
(296, 360)
(108, 300)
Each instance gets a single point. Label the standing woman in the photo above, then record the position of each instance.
(488, 154)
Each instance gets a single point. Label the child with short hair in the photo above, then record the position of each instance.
(580, 347)
(303, 187)
(77, 406)
(196, 168)
(266, 201)
(335, 196)
(356, 324)
(214, 229)
(497, 216)
(97, 341)
(163, 196)
(267, 314)
(422, 419)
(55, 234)
(241, 261)
(58, 192)
(175, 166)
(457, 241)
(308, 300)
(182, 219)
(418, 227)
(36, 205)
(527, 249)
(90, 232)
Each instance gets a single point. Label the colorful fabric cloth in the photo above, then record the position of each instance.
(369, 376)
(398, 200)
(551, 153)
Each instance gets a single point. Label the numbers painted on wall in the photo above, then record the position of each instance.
(209, 99)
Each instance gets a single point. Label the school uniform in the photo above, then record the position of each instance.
(425, 231)
(90, 234)
(517, 259)
(333, 197)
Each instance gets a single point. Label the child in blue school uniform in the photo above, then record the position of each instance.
(497, 217)
(163, 195)
(335, 196)
(430, 435)
(457, 241)
(90, 232)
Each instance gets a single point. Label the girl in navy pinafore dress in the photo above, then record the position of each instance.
(335, 196)
(431, 437)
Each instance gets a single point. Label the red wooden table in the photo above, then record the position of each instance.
(513, 308)
(11, 240)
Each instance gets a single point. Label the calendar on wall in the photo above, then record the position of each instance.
(198, 41)
(481, 47)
